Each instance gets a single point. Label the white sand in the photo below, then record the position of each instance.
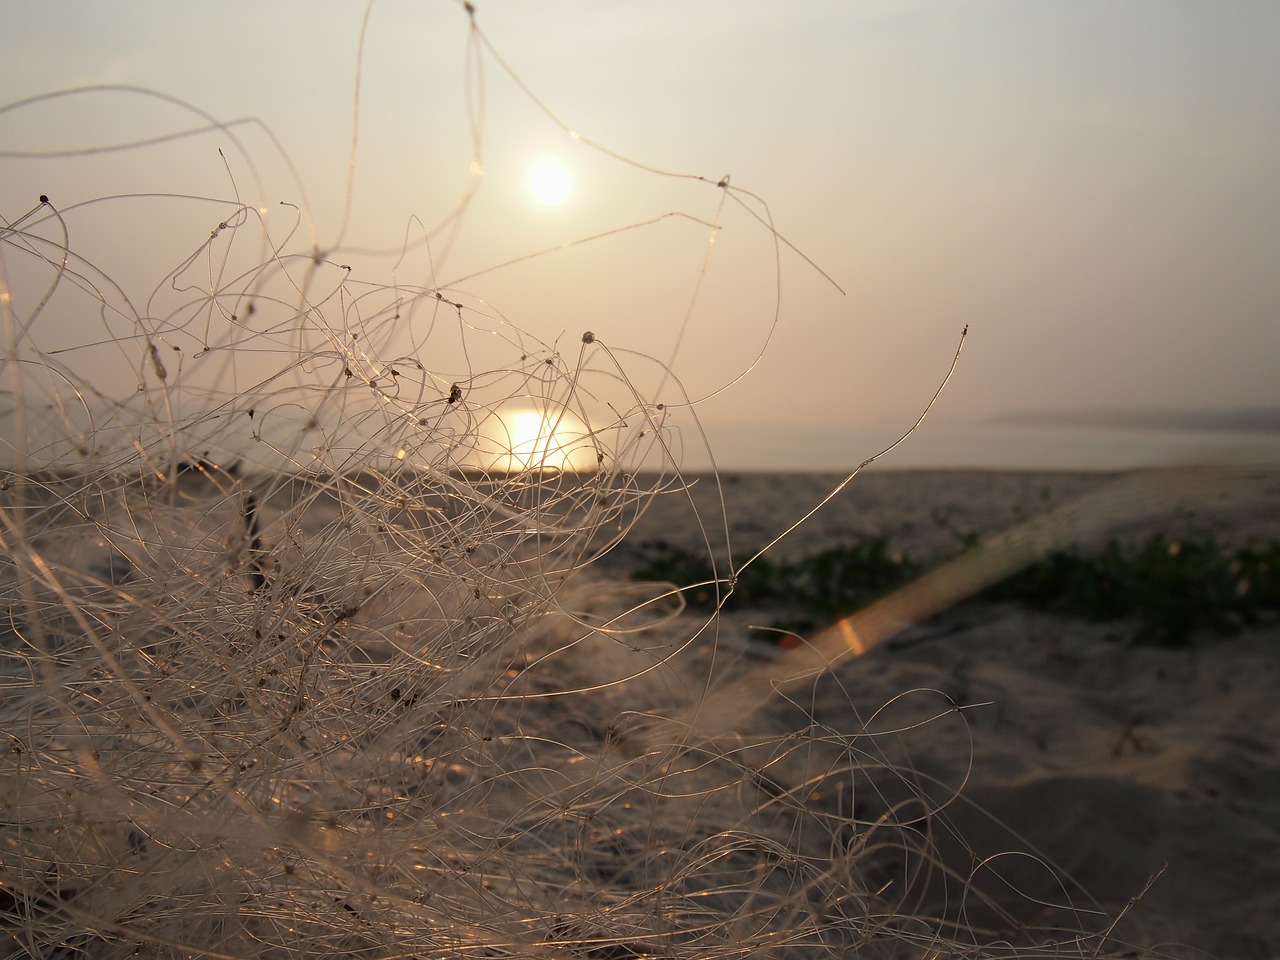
(1124, 765)
(1005, 769)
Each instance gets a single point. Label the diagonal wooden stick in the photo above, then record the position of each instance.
(729, 706)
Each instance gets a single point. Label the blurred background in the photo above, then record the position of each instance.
(1090, 187)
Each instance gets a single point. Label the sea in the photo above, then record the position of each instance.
(941, 445)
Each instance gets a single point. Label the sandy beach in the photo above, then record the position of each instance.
(1003, 773)
(1142, 771)
(921, 511)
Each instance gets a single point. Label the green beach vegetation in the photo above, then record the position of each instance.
(1162, 591)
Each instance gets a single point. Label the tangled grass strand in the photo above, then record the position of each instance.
(304, 654)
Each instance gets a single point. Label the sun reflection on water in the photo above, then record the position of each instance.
(519, 439)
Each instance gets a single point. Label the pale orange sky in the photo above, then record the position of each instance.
(1090, 186)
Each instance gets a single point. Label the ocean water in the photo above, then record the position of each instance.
(942, 445)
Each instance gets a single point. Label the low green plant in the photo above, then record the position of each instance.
(1168, 590)
(817, 589)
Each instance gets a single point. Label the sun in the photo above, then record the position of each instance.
(548, 181)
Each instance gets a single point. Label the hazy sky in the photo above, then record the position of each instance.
(1092, 187)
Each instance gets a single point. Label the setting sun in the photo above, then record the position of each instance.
(548, 181)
